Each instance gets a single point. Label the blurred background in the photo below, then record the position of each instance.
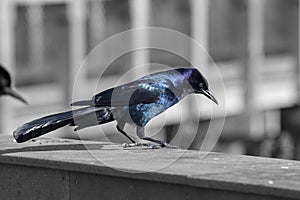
(254, 43)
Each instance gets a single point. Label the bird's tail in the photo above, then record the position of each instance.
(81, 118)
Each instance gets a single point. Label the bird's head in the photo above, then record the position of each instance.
(198, 82)
(5, 85)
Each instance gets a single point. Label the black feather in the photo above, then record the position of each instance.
(49, 123)
(128, 94)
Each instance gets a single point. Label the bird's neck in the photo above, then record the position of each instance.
(185, 92)
(182, 86)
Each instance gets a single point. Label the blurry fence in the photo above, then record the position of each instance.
(253, 42)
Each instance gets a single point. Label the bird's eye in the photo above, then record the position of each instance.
(201, 85)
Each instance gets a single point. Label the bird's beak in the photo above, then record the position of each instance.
(210, 95)
(13, 93)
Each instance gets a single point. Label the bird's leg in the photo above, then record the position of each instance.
(134, 142)
(161, 143)
(124, 133)
(140, 131)
(154, 140)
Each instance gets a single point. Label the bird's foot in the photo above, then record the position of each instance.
(135, 144)
(140, 144)
(160, 143)
(170, 146)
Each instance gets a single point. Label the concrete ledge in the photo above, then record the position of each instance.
(65, 169)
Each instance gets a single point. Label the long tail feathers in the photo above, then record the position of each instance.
(81, 118)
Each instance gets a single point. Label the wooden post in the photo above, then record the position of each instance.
(97, 15)
(77, 48)
(200, 33)
(253, 63)
(140, 17)
(200, 59)
(36, 35)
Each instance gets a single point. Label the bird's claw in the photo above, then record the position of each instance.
(125, 145)
(152, 146)
(170, 146)
(136, 144)
(139, 144)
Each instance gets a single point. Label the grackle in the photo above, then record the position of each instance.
(5, 85)
(136, 103)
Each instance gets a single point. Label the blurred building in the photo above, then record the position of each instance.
(254, 43)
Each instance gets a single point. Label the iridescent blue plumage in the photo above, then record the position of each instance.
(136, 102)
(142, 113)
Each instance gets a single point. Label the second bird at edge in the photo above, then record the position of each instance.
(6, 85)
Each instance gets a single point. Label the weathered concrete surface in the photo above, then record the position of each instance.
(19, 182)
(70, 169)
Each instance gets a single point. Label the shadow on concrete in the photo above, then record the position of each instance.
(54, 144)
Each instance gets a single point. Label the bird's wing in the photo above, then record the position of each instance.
(129, 94)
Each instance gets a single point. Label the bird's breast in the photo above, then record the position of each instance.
(141, 114)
